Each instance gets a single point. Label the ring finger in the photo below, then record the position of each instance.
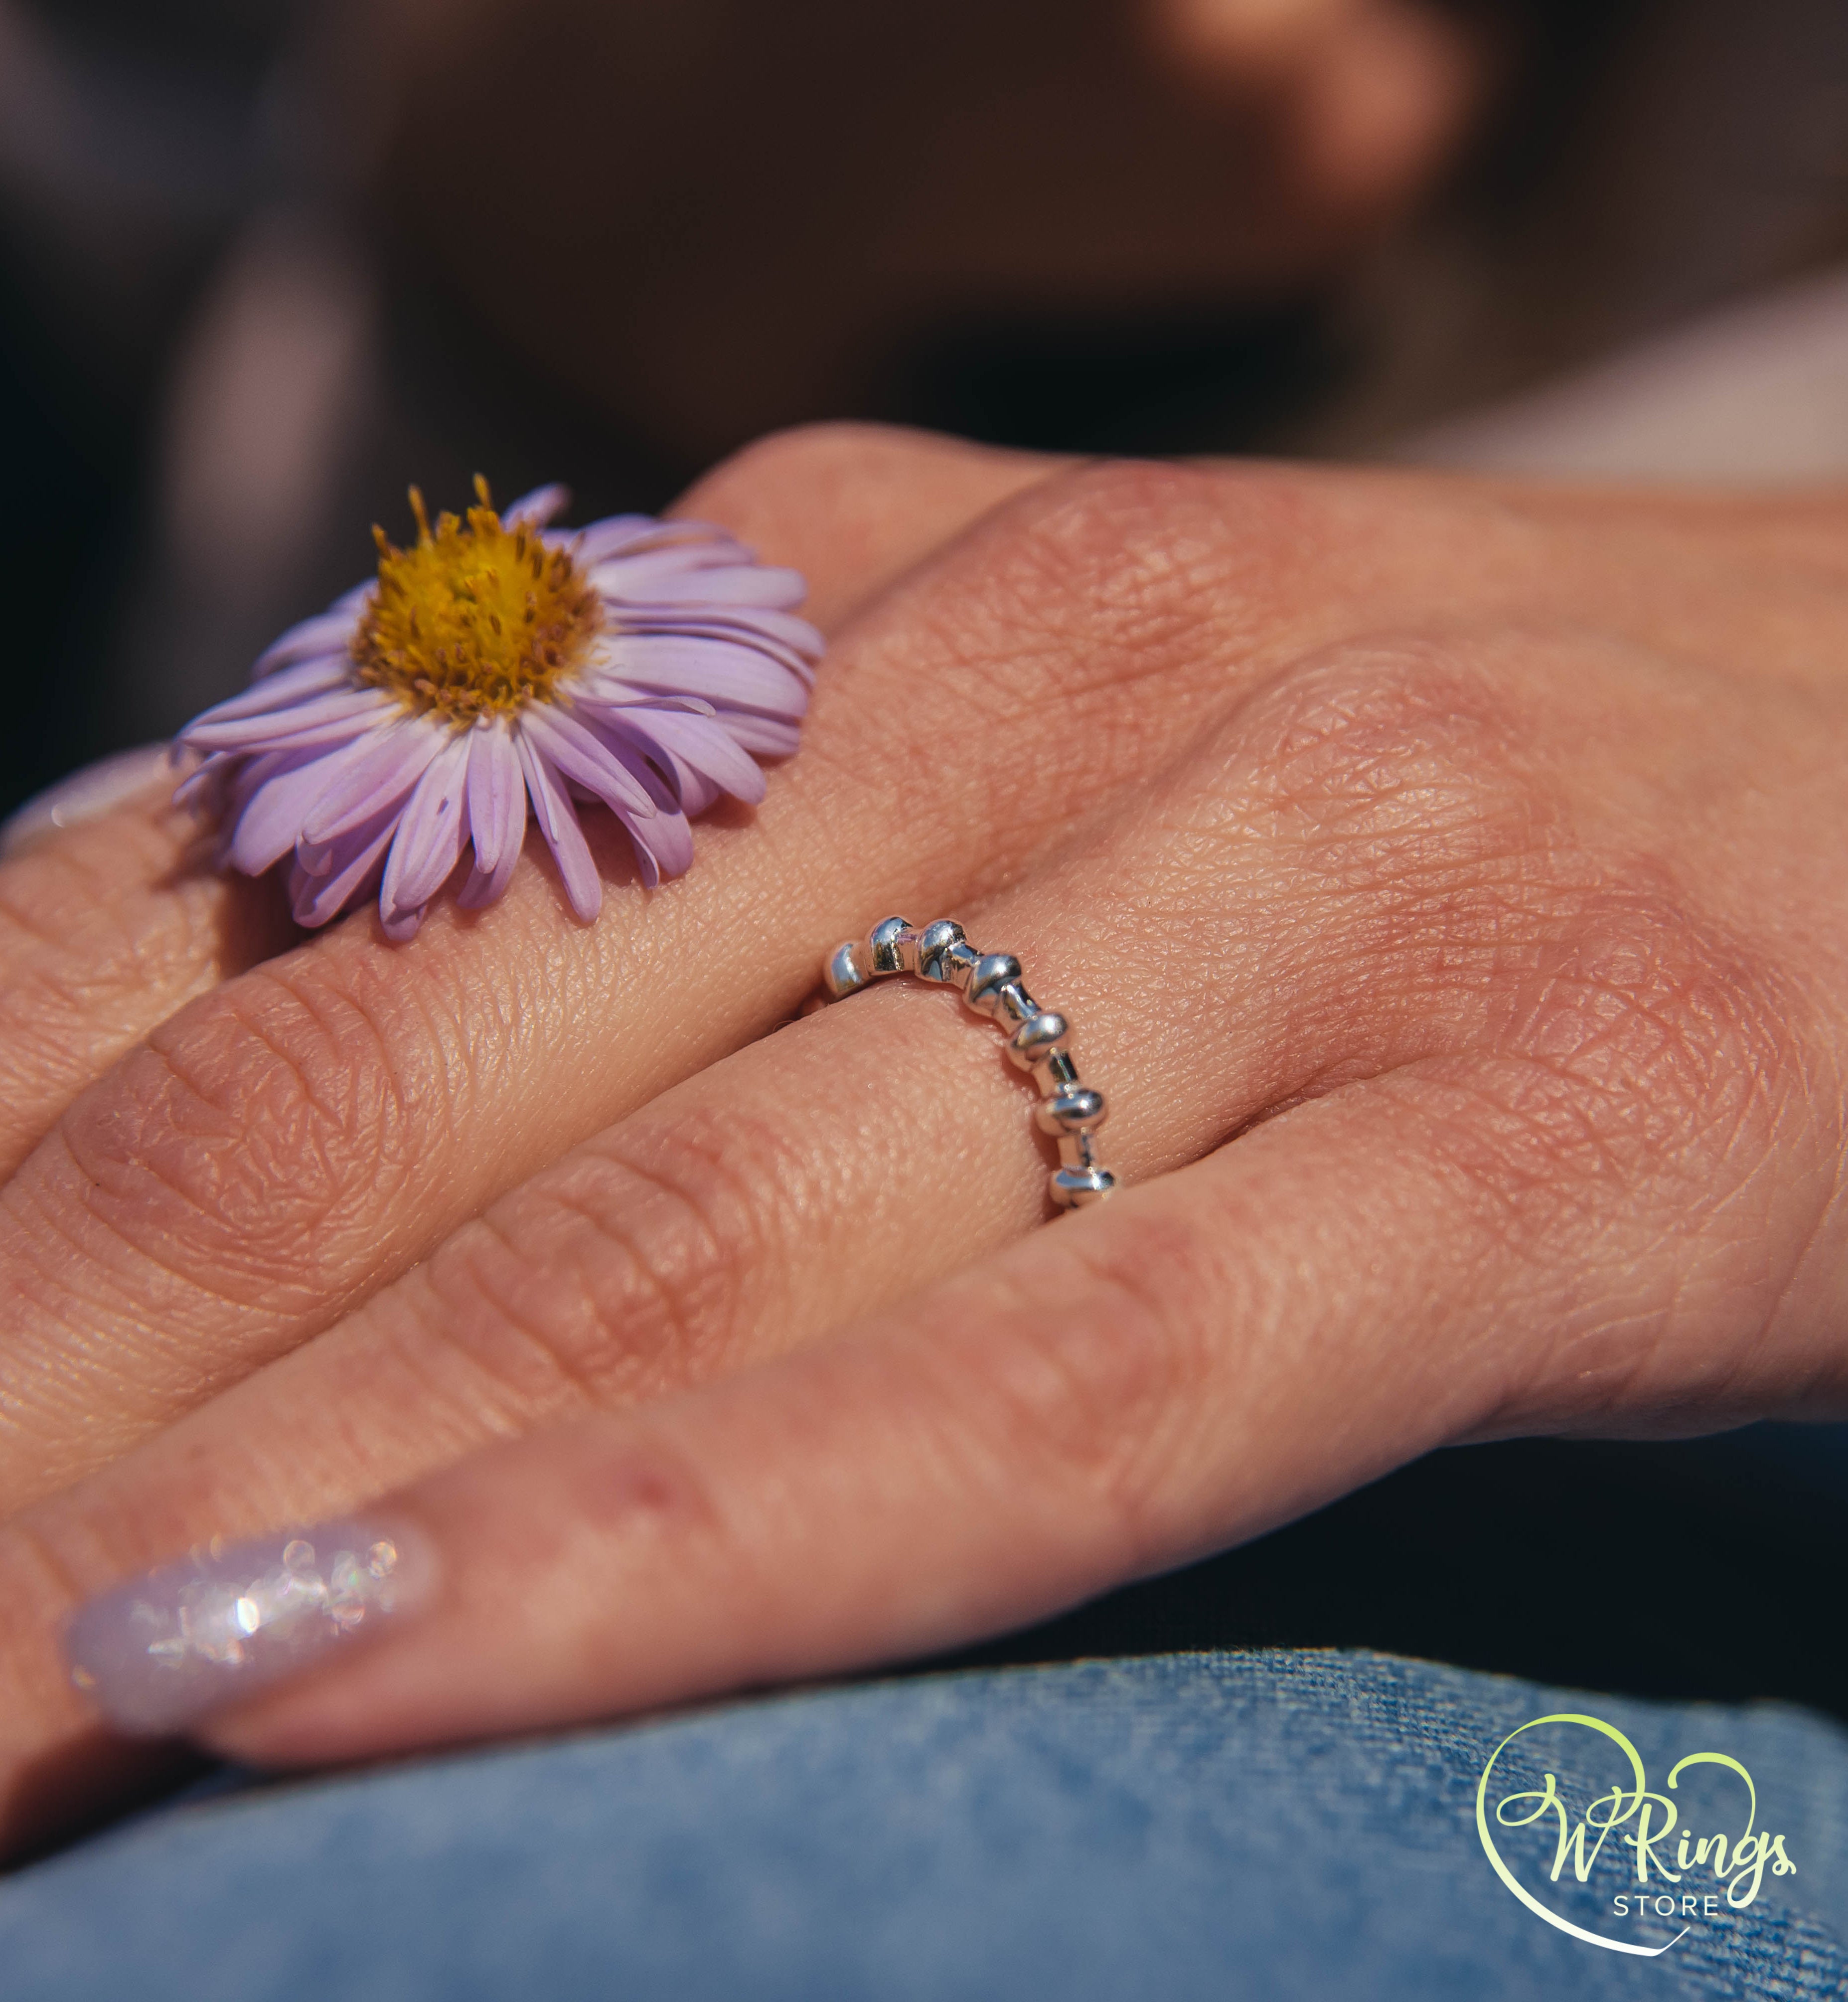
(290, 1142)
(717, 1227)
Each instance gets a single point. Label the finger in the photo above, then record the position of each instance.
(972, 1459)
(108, 925)
(826, 1171)
(1347, 1287)
(853, 507)
(286, 1144)
(108, 930)
(1645, 1058)
(277, 1260)
(86, 795)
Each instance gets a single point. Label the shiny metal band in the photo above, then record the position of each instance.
(990, 983)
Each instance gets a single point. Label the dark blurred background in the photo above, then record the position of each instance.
(264, 262)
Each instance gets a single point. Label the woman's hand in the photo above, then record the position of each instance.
(1445, 881)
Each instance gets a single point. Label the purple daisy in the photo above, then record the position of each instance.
(643, 664)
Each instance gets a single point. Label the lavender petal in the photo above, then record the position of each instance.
(429, 841)
(394, 762)
(283, 790)
(579, 753)
(701, 742)
(659, 548)
(731, 676)
(284, 687)
(197, 791)
(353, 864)
(762, 736)
(327, 632)
(601, 540)
(338, 706)
(245, 774)
(704, 668)
(697, 792)
(792, 640)
(557, 818)
(339, 729)
(664, 846)
(598, 689)
(483, 887)
(534, 509)
(665, 578)
(496, 796)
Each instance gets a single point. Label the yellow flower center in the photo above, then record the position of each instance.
(474, 619)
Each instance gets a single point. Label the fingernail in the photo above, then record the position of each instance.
(85, 795)
(166, 1648)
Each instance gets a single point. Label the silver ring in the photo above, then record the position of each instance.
(990, 983)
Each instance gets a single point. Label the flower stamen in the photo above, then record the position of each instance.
(474, 619)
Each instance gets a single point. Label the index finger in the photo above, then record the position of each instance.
(1202, 1358)
(288, 1142)
(853, 507)
(1396, 1265)
(108, 927)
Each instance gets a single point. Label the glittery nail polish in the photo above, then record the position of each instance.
(166, 1648)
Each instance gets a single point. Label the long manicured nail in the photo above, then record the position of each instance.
(165, 1649)
(86, 794)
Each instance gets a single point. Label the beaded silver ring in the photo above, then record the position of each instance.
(990, 983)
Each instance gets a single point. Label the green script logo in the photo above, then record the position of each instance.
(1654, 1850)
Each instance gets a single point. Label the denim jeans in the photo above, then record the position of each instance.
(1273, 1823)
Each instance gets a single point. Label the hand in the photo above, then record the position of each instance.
(1445, 879)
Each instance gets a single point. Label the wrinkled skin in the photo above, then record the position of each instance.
(1446, 880)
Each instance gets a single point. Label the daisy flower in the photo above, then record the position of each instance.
(496, 662)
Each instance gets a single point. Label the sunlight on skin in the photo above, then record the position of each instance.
(1463, 854)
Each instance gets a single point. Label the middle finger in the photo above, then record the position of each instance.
(821, 1174)
(287, 1144)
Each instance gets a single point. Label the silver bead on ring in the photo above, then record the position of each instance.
(991, 985)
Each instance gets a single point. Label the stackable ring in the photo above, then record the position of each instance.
(990, 983)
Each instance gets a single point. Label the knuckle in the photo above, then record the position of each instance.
(637, 1266)
(1644, 1070)
(270, 1121)
(1374, 798)
(1412, 791)
(1129, 551)
(1099, 579)
(1652, 1039)
(828, 455)
(1384, 746)
(1093, 1398)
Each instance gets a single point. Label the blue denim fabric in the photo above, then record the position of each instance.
(1274, 1824)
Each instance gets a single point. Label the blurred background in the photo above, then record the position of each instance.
(264, 262)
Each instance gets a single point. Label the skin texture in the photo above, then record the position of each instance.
(1444, 878)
